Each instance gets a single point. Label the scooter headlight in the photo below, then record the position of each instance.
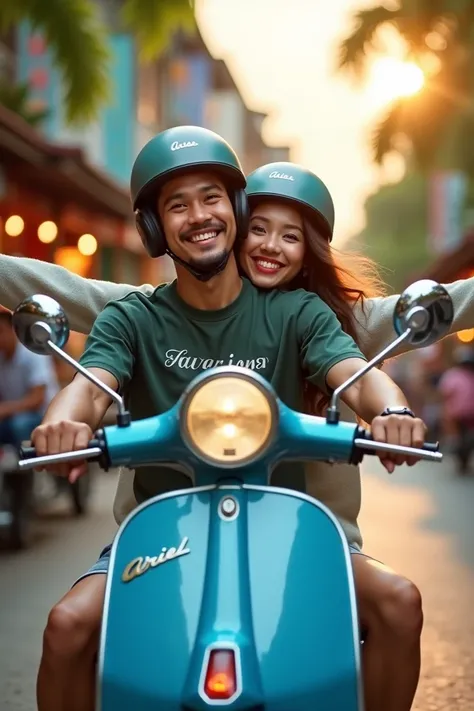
(229, 419)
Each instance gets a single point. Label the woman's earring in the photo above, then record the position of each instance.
(304, 272)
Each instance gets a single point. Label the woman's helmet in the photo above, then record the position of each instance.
(295, 184)
(182, 149)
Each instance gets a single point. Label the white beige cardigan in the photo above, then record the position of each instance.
(338, 486)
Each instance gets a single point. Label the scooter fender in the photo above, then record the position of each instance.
(268, 576)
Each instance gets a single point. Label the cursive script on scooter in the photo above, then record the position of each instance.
(139, 566)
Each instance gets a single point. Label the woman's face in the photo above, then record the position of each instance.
(272, 254)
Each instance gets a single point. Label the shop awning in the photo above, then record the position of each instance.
(57, 170)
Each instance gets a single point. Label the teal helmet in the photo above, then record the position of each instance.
(178, 150)
(295, 184)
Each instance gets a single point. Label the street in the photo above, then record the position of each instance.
(419, 521)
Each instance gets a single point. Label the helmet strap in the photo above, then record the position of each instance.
(204, 274)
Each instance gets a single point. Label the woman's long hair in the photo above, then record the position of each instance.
(341, 281)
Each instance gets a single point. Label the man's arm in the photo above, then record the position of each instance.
(82, 401)
(370, 395)
(72, 417)
(368, 398)
(82, 299)
(374, 322)
(331, 357)
(76, 411)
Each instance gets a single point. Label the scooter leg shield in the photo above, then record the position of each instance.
(152, 603)
(303, 604)
(268, 577)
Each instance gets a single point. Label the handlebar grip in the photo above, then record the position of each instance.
(27, 453)
(428, 446)
(431, 446)
(363, 434)
(30, 452)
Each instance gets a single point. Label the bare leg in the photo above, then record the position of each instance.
(66, 678)
(390, 610)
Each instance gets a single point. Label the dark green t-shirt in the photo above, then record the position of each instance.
(155, 345)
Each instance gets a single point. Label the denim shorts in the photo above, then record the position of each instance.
(101, 566)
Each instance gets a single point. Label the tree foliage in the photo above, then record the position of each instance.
(17, 98)
(397, 225)
(77, 38)
(437, 34)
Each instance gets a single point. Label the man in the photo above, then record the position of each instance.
(456, 388)
(187, 188)
(27, 385)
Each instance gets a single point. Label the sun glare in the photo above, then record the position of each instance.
(392, 79)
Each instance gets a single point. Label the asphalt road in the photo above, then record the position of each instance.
(419, 521)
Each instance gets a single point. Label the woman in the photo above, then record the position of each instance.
(288, 244)
(275, 255)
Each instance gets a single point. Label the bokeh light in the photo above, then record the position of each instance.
(392, 79)
(466, 336)
(87, 245)
(14, 226)
(47, 232)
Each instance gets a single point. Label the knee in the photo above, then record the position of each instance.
(400, 608)
(67, 634)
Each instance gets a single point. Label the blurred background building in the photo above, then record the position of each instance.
(64, 190)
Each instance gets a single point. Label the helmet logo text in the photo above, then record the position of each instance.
(176, 146)
(281, 176)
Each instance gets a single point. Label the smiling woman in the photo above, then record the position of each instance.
(392, 78)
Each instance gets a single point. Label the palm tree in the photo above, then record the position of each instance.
(436, 123)
(78, 40)
(16, 97)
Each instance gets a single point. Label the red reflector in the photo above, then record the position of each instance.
(221, 682)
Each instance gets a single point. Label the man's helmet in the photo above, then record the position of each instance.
(176, 150)
(295, 184)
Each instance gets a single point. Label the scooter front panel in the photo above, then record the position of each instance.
(274, 582)
(303, 604)
(153, 601)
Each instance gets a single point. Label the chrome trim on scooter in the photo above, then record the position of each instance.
(351, 583)
(228, 508)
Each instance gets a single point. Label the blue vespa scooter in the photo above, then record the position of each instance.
(232, 593)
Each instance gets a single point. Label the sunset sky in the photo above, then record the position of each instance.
(282, 54)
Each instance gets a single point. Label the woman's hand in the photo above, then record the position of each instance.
(398, 429)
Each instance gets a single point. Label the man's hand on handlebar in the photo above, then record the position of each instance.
(398, 429)
(59, 437)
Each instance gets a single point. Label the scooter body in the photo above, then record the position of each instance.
(231, 564)
(272, 582)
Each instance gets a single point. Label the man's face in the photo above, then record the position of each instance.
(197, 218)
